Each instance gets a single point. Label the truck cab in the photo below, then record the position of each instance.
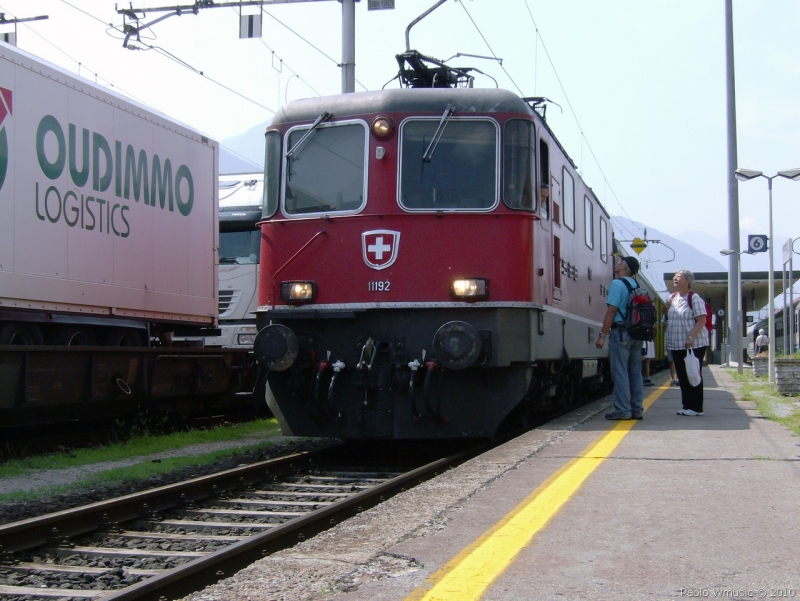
(240, 198)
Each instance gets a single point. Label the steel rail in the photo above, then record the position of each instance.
(211, 567)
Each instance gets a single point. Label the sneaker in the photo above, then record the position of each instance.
(618, 415)
(638, 416)
(674, 382)
(689, 412)
(648, 382)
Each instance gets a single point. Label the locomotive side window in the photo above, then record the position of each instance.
(519, 165)
(544, 170)
(326, 172)
(588, 221)
(272, 174)
(569, 200)
(604, 241)
(457, 172)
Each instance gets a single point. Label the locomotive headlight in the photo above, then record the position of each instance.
(382, 127)
(470, 288)
(298, 291)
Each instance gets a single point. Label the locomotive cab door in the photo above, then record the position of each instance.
(555, 218)
(543, 236)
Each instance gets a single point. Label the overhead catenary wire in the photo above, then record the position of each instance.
(483, 37)
(584, 139)
(80, 64)
(322, 52)
(167, 54)
(171, 56)
(110, 84)
(574, 114)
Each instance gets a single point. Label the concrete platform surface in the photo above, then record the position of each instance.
(681, 507)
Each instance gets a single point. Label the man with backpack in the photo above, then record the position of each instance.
(625, 351)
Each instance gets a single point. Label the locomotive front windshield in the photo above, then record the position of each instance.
(325, 171)
(457, 172)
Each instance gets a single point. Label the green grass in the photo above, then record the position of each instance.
(770, 403)
(265, 431)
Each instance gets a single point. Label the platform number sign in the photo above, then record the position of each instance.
(757, 244)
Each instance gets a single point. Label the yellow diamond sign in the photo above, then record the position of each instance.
(638, 245)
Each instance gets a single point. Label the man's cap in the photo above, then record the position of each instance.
(761, 331)
(633, 264)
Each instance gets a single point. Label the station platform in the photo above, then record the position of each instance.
(668, 507)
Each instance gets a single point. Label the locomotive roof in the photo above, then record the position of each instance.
(411, 100)
(414, 100)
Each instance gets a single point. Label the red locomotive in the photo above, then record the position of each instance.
(431, 262)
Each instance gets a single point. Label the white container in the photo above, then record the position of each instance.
(106, 207)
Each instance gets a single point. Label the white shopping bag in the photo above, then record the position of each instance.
(693, 368)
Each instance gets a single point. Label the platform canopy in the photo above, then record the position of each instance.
(713, 287)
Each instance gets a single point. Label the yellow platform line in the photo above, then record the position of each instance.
(467, 576)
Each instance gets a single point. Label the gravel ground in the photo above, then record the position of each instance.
(338, 560)
(355, 551)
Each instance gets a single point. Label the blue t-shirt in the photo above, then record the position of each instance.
(618, 297)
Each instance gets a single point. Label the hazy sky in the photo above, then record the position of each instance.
(641, 84)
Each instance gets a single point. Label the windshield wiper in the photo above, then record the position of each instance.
(323, 117)
(448, 112)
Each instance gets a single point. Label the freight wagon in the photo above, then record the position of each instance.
(108, 243)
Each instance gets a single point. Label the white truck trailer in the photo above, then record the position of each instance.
(109, 237)
(108, 212)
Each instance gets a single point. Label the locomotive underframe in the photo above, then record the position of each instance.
(530, 359)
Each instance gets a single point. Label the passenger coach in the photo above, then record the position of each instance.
(431, 265)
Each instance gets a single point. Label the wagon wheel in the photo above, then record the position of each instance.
(74, 336)
(23, 334)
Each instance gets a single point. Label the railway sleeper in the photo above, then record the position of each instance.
(54, 567)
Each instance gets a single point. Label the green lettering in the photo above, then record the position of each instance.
(127, 225)
(90, 213)
(137, 174)
(72, 209)
(38, 212)
(78, 177)
(118, 168)
(46, 125)
(99, 144)
(162, 185)
(185, 207)
(47, 206)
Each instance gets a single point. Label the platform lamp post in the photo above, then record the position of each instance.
(745, 175)
(739, 311)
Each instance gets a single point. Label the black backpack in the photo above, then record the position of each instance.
(640, 313)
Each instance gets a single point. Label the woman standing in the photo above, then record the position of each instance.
(686, 320)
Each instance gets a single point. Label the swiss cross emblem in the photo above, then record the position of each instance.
(379, 248)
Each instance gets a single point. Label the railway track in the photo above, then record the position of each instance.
(167, 542)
